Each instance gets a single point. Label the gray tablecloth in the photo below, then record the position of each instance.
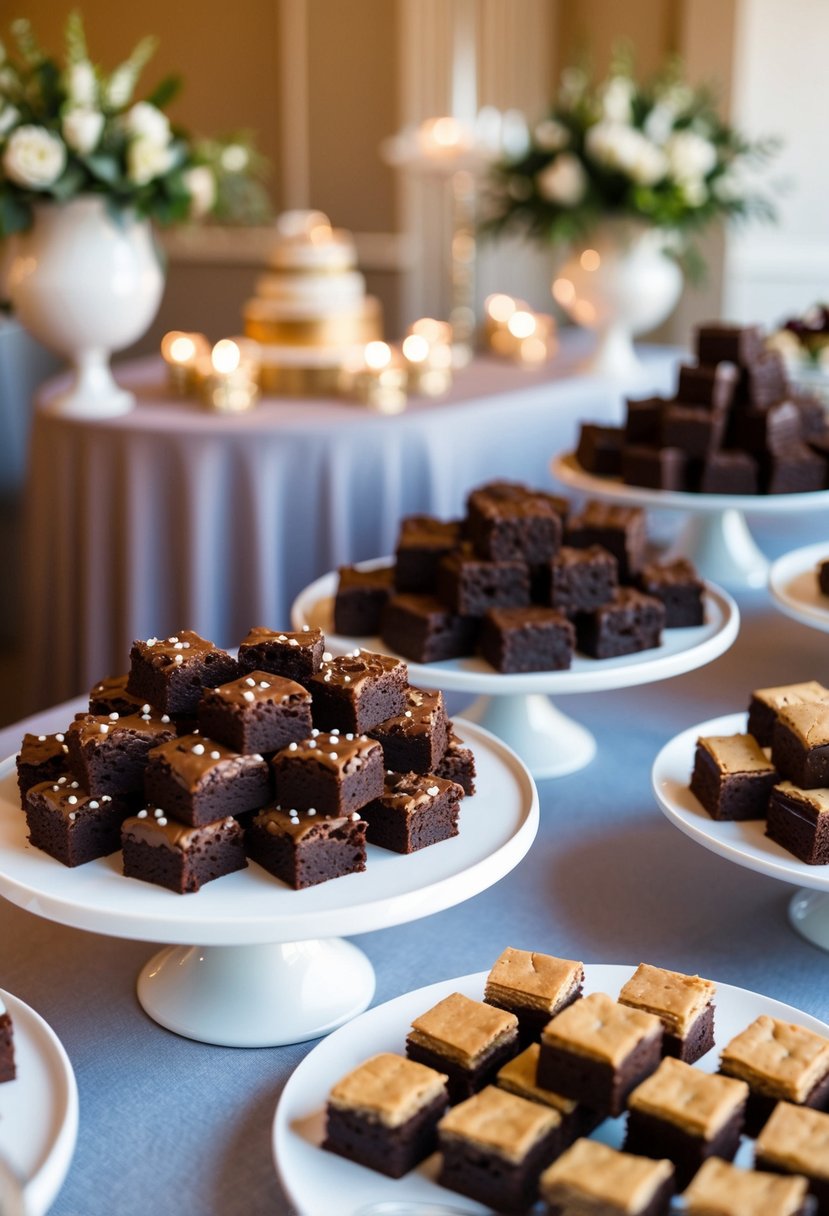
(176, 1128)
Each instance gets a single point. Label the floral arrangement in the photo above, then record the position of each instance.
(805, 339)
(657, 153)
(69, 129)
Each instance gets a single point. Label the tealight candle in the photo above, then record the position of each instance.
(232, 385)
(184, 354)
(428, 365)
(377, 380)
(513, 330)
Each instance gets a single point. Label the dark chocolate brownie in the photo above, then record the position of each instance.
(518, 1076)
(732, 777)
(331, 774)
(110, 696)
(415, 741)
(303, 849)
(465, 1039)
(423, 629)
(719, 341)
(361, 597)
(680, 589)
(8, 1070)
(663, 468)
(770, 430)
(358, 690)
(108, 753)
(599, 449)
(533, 986)
(643, 424)
(626, 624)
(470, 586)
(582, 579)
(259, 712)
(421, 543)
(684, 1005)
(695, 430)
(199, 780)
(796, 469)
(799, 821)
(763, 381)
(171, 672)
(71, 825)
(711, 385)
(812, 417)
(41, 758)
(159, 850)
(414, 810)
(765, 704)
(527, 639)
(525, 528)
(458, 764)
(619, 529)
(800, 744)
(295, 656)
(729, 472)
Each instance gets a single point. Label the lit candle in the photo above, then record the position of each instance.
(513, 330)
(377, 379)
(428, 364)
(441, 139)
(232, 384)
(183, 354)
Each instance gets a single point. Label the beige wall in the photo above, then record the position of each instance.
(596, 26)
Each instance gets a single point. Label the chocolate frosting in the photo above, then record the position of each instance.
(260, 687)
(154, 828)
(191, 759)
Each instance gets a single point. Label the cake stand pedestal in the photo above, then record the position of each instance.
(271, 967)
(517, 708)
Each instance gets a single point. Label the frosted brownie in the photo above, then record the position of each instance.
(720, 1189)
(780, 1062)
(171, 672)
(108, 754)
(160, 850)
(305, 848)
(591, 1179)
(295, 656)
(765, 704)
(800, 744)
(7, 1065)
(415, 740)
(684, 1005)
(415, 810)
(72, 825)
(520, 1076)
(732, 777)
(199, 780)
(458, 764)
(357, 691)
(533, 986)
(41, 758)
(798, 820)
(259, 712)
(329, 773)
(795, 1140)
(110, 696)
(466, 1039)
(384, 1114)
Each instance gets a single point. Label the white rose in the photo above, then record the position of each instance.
(627, 150)
(34, 157)
(659, 123)
(617, 97)
(647, 163)
(201, 186)
(695, 191)
(82, 128)
(564, 181)
(9, 115)
(691, 156)
(146, 160)
(120, 86)
(81, 84)
(234, 158)
(551, 136)
(146, 121)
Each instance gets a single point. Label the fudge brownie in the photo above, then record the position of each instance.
(629, 622)
(108, 754)
(596, 1051)
(8, 1070)
(732, 777)
(643, 421)
(621, 530)
(258, 712)
(599, 449)
(508, 490)
(771, 430)
(800, 744)
(525, 528)
(527, 639)
(795, 470)
(414, 810)
(384, 1114)
(729, 472)
(494, 1147)
(780, 1062)
(582, 579)
(72, 825)
(198, 780)
(684, 1005)
(331, 774)
(458, 764)
(535, 987)
(711, 385)
(357, 691)
(763, 381)
(519, 1076)
(415, 741)
(160, 850)
(421, 543)
(41, 758)
(663, 468)
(720, 1189)
(795, 1140)
(295, 656)
(812, 417)
(798, 820)
(423, 629)
(695, 430)
(592, 1179)
(110, 696)
(470, 585)
(719, 341)
(686, 1115)
(306, 848)
(765, 703)
(361, 597)
(823, 577)
(466, 1039)
(171, 672)
(680, 589)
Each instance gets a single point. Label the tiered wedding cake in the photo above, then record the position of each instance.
(310, 310)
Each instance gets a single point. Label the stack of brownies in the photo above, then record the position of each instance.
(735, 426)
(509, 1088)
(521, 581)
(777, 771)
(195, 761)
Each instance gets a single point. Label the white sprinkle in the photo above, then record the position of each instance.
(349, 736)
(64, 747)
(356, 652)
(114, 717)
(73, 785)
(215, 755)
(333, 755)
(166, 718)
(145, 718)
(312, 810)
(314, 733)
(59, 738)
(250, 683)
(333, 739)
(179, 646)
(408, 713)
(72, 800)
(94, 804)
(179, 658)
(198, 749)
(306, 628)
(151, 641)
(264, 684)
(41, 738)
(173, 639)
(432, 791)
(192, 732)
(281, 638)
(257, 756)
(147, 709)
(142, 815)
(73, 815)
(62, 780)
(162, 822)
(185, 645)
(248, 695)
(106, 798)
(292, 747)
(335, 730)
(347, 679)
(158, 813)
(327, 677)
(327, 656)
(355, 814)
(103, 728)
(363, 738)
(312, 743)
(56, 788)
(293, 642)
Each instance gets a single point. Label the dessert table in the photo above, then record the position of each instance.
(169, 514)
(180, 1128)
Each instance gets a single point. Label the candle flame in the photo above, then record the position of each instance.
(521, 324)
(415, 348)
(500, 307)
(225, 356)
(377, 355)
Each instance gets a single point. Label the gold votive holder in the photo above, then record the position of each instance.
(428, 365)
(184, 356)
(378, 380)
(231, 385)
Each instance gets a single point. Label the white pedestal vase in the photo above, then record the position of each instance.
(621, 283)
(86, 284)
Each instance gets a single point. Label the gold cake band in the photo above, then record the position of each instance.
(344, 267)
(322, 331)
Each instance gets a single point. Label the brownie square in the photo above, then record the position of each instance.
(71, 825)
(798, 820)
(110, 696)
(159, 850)
(812, 417)
(697, 431)
(414, 811)
(599, 449)
(620, 530)
(684, 1005)
(592, 1179)
(511, 490)
(294, 656)
(780, 1062)
(765, 703)
(494, 1147)
(303, 849)
(732, 777)
(800, 744)
(8, 1070)
(711, 385)
(41, 758)
(685, 1115)
(768, 430)
(729, 473)
(258, 712)
(663, 468)
(415, 741)
(525, 528)
(795, 469)
(458, 764)
(643, 423)
(384, 1114)
(725, 1189)
(535, 987)
(108, 754)
(795, 1140)
(596, 1051)
(358, 691)
(423, 629)
(361, 597)
(718, 341)
(199, 780)
(527, 639)
(465, 1039)
(421, 543)
(763, 381)
(171, 672)
(331, 774)
(470, 586)
(823, 577)
(518, 1076)
(680, 589)
(626, 624)
(582, 579)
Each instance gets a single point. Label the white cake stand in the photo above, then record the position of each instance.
(746, 843)
(517, 708)
(715, 536)
(270, 966)
(794, 587)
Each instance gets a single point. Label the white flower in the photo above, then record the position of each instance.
(617, 96)
(728, 187)
(647, 164)
(201, 186)
(120, 86)
(620, 147)
(147, 159)
(695, 191)
(82, 128)
(659, 123)
(551, 136)
(690, 155)
(564, 181)
(8, 117)
(34, 157)
(81, 84)
(146, 121)
(234, 158)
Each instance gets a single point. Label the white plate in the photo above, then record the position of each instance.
(317, 1181)
(681, 650)
(38, 1109)
(497, 827)
(794, 587)
(744, 843)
